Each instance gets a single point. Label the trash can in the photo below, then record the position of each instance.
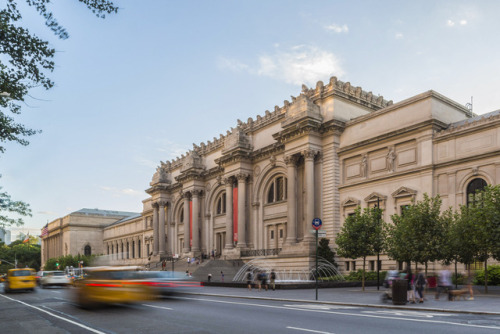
(399, 294)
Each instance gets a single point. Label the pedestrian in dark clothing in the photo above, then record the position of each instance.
(273, 279)
(249, 280)
(420, 283)
(222, 276)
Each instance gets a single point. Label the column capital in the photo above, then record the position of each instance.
(228, 180)
(291, 160)
(241, 177)
(309, 154)
(162, 203)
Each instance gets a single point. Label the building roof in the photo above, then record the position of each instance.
(475, 118)
(97, 212)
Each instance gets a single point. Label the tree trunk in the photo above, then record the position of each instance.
(363, 276)
(486, 276)
(456, 275)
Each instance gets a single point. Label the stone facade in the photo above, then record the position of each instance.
(254, 191)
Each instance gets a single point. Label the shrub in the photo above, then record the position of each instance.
(458, 279)
(493, 276)
(369, 275)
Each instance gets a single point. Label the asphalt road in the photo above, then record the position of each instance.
(52, 311)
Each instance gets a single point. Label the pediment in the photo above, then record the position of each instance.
(404, 192)
(375, 196)
(350, 201)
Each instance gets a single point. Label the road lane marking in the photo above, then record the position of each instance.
(309, 330)
(56, 316)
(322, 307)
(162, 307)
(344, 313)
(410, 313)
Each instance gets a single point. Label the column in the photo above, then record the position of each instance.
(291, 225)
(161, 228)
(187, 246)
(242, 236)
(155, 229)
(229, 213)
(137, 247)
(196, 221)
(309, 187)
(276, 237)
(169, 229)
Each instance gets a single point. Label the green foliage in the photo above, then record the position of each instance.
(25, 253)
(419, 234)
(325, 252)
(363, 234)
(67, 261)
(493, 276)
(357, 276)
(25, 60)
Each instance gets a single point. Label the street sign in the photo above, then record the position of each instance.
(321, 234)
(316, 223)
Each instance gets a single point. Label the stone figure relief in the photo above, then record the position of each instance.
(364, 165)
(391, 157)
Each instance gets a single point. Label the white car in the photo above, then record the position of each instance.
(54, 278)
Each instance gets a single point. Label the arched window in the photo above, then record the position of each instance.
(277, 189)
(87, 250)
(473, 187)
(181, 214)
(221, 204)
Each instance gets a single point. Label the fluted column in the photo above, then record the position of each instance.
(309, 186)
(161, 228)
(276, 236)
(242, 236)
(187, 239)
(196, 222)
(229, 213)
(170, 230)
(291, 225)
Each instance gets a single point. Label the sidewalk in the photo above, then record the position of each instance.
(482, 303)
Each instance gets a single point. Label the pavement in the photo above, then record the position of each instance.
(487, 304)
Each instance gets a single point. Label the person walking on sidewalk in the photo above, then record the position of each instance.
(444, 283)
(420, 283)
(222, 276)
(249, 280)
(273, 279)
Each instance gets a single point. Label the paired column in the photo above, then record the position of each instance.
(170, 225)
(161, 227)
(187, 239)
(291, 225)
(309, 187)
(196, 221)
(229, 213)
(155, 229)
(242, 237)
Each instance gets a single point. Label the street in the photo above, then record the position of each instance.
(52, 311)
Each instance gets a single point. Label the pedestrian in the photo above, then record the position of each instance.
(249, 280)
(209, 278)
(213, 254)
(420, 283)
(273, 279)
(187, 272)
(222, 276)
(470, 280)
(444, 283)
(410, 292)
(264, 280)
(163, 265)
(189, 260)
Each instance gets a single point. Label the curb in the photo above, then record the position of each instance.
(393, 307)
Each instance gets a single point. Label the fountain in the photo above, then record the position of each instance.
(325, 269)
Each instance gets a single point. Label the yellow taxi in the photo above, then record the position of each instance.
(20, 279)
(111, 285)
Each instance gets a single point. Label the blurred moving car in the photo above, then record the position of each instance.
(111, 285)
(20, 279)
(54, 278)
(168, 283)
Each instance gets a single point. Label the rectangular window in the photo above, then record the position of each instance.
(281, 234)
(372, 265)
(353, 265)
(272, 235)
(400, 265)
(380, 265)
(347, 265)
(403, 209)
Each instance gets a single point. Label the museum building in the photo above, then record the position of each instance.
(254, 191)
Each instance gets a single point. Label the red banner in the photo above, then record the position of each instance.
(235, 214)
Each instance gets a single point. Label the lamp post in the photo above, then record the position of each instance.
(378, 248)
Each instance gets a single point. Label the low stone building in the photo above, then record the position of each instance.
(254, 191)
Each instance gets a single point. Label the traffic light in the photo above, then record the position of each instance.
(57, 265)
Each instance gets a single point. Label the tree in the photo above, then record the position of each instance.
(24, 63)
(325, 252)
(25, 254)
(362, 235)
(419, 233)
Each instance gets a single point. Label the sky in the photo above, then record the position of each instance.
(142, 86)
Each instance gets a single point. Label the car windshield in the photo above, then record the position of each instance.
(21, 273)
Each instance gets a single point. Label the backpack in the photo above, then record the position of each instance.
(249, 276)
(273, 275)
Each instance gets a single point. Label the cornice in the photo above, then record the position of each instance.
(432, 123)
(473, 158)
(268, 151)
(474, 126)
(301, 128)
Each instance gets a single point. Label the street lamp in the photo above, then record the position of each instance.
(378, 246)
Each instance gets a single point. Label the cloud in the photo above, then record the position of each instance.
(301, 64)
(399, 35)
(337, 29)
(49, 213)
(232, 64)
(463, 22)
(118, 192)
(450, 23)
